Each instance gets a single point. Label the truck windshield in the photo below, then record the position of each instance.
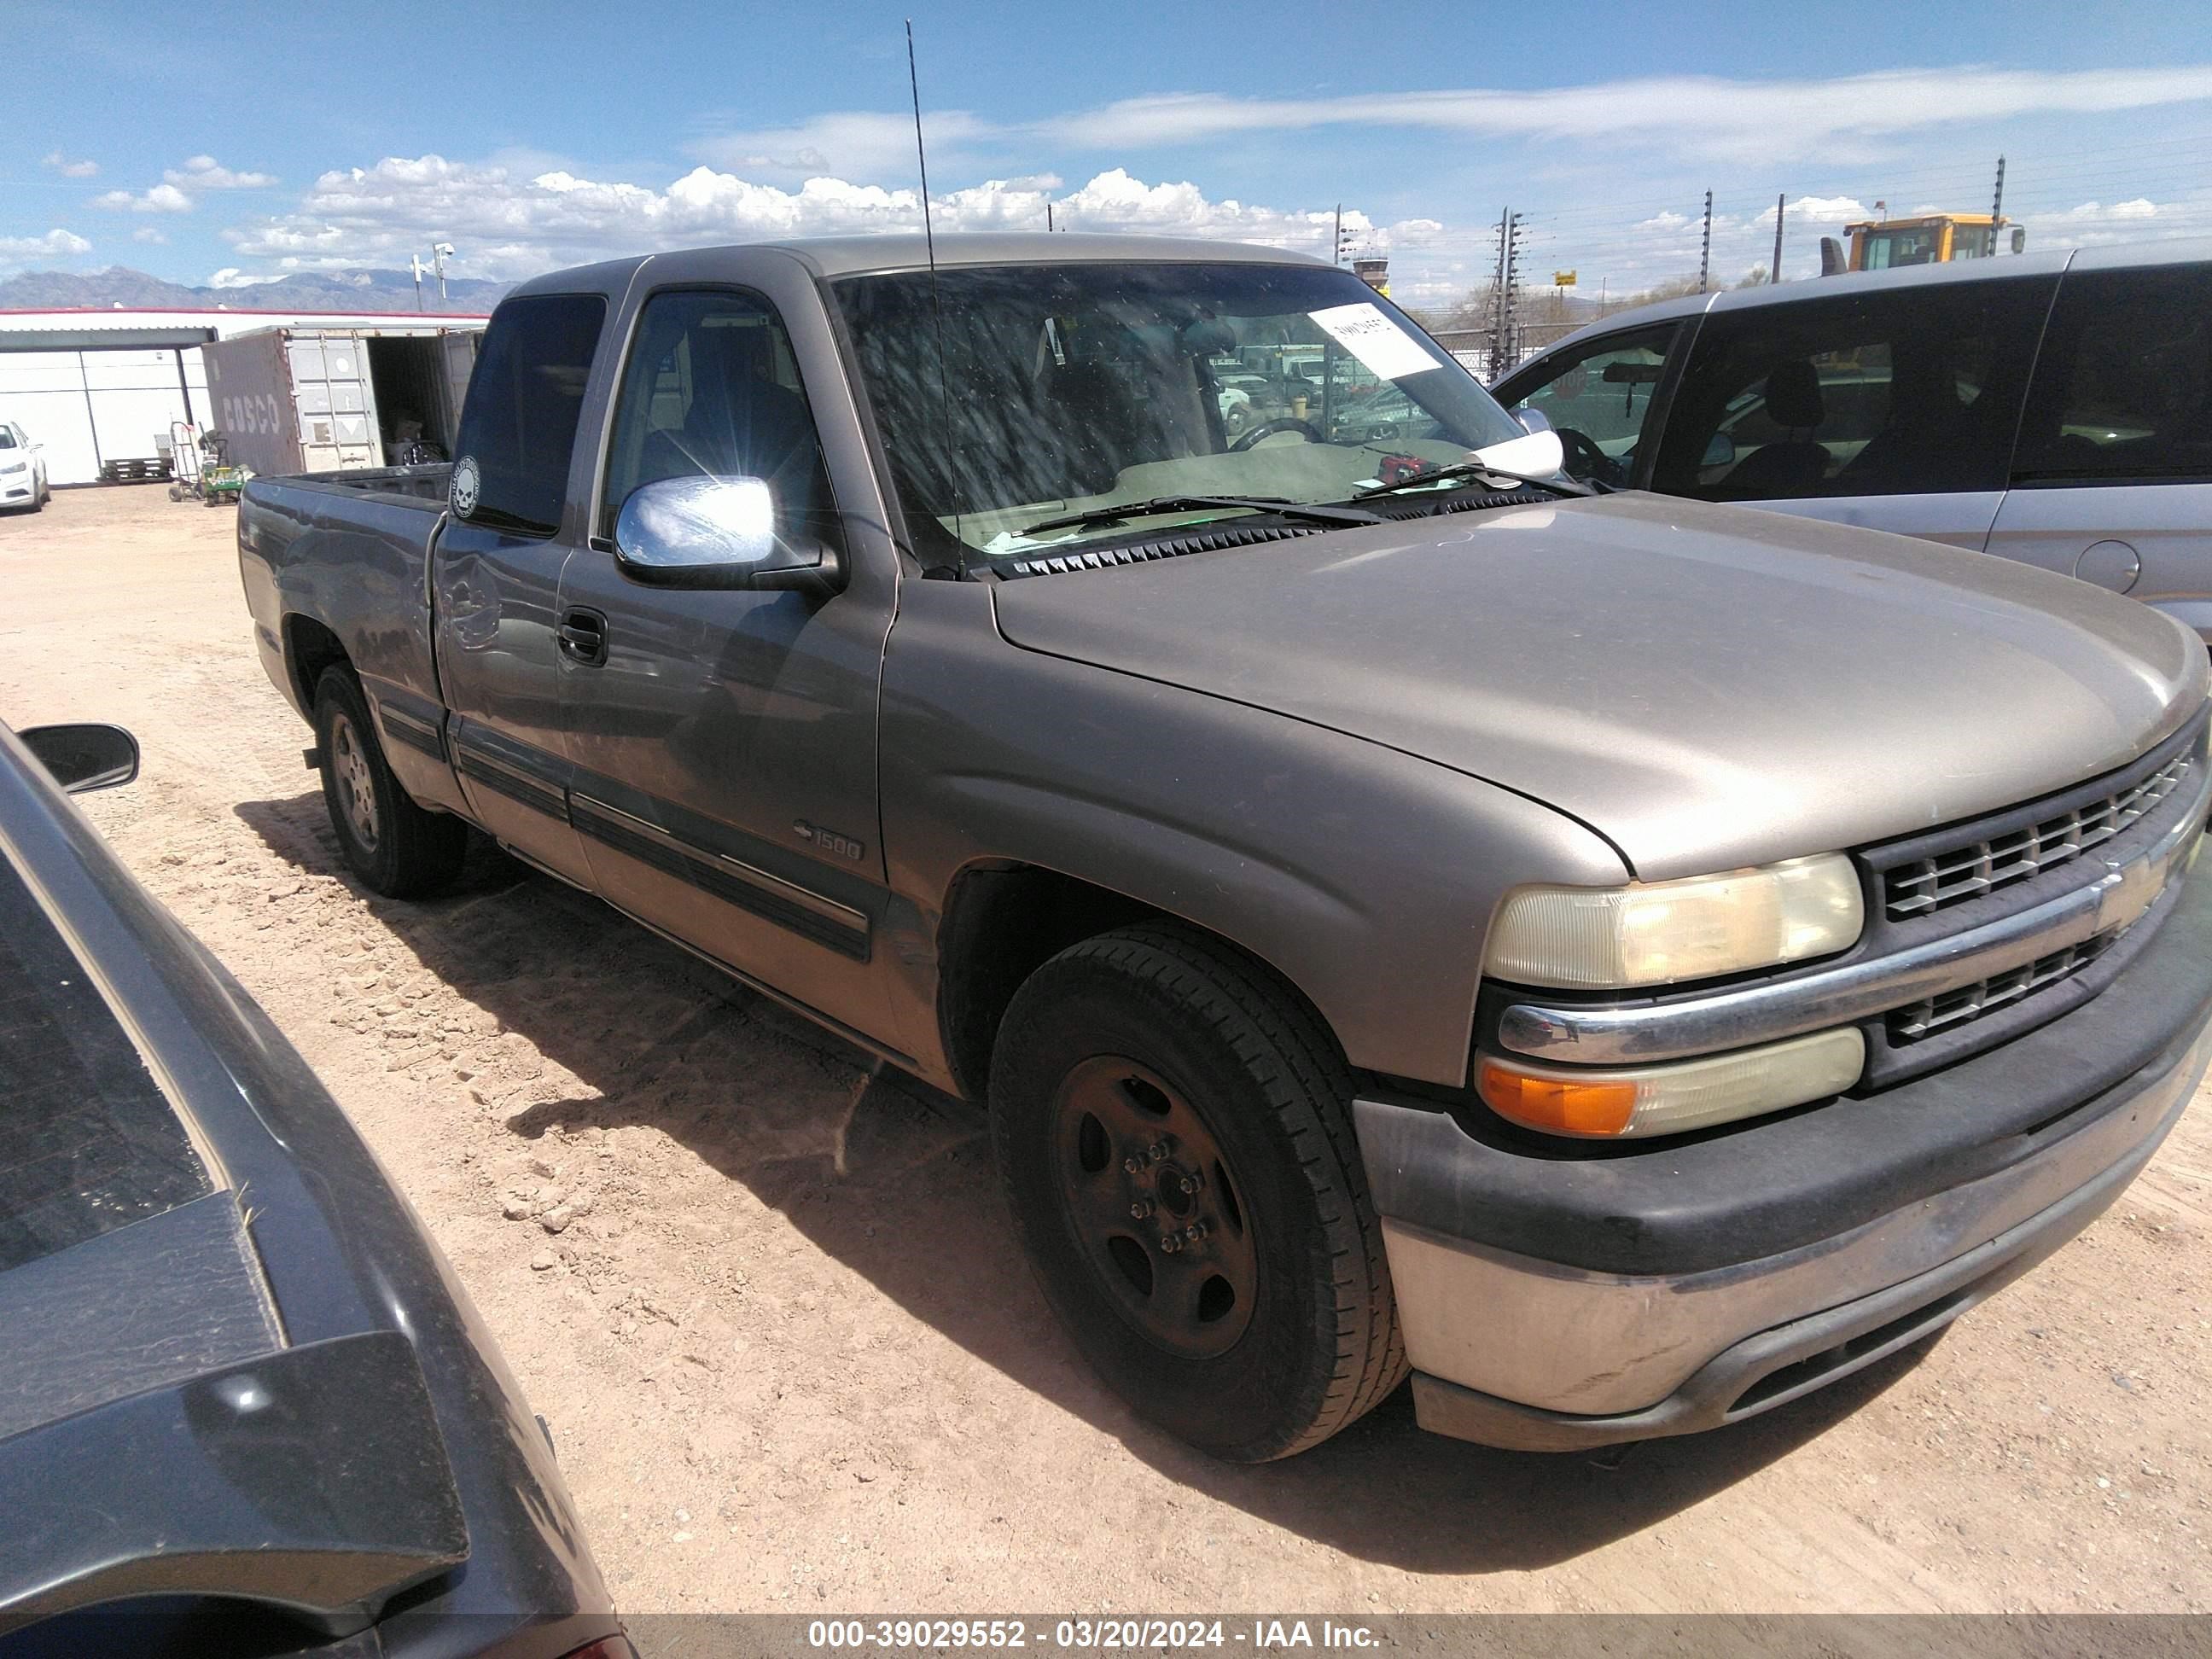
(1066, 387)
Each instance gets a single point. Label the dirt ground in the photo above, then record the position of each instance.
(792, 1359)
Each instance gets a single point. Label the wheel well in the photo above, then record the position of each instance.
(1004, 922)
(309, 648)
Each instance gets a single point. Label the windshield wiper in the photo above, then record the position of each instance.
(1275, 504)
(1478, 468)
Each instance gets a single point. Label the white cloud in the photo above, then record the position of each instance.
(148, 234)
(844, 142)
(231, 276)
(511, 227)
(1668, 220)
(1705, 116)
(55, 244)
(205, 172)
(1819, 210)
(69, 169)
(2096, 213)
(2096, 224)
(162, 198)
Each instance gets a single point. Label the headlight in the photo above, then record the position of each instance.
(1663, 932)
(14, 466)
(1621, 1103)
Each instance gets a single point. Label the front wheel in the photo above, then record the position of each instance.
(395, 846)
(1173, 1133)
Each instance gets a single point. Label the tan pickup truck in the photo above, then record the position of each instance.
(1626, 961)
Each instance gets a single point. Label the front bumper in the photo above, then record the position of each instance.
(1551, 1301)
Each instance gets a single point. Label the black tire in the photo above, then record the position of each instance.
(395, 846)
(1253, 1098)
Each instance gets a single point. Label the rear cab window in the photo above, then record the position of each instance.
(1907, 391)
(2124, 388)
(519, 427)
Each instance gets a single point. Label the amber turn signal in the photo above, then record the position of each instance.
(1557, 1106)
(1665, 1100)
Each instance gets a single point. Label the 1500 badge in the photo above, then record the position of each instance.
(828, 840)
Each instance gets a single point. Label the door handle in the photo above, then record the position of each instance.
(583, 636)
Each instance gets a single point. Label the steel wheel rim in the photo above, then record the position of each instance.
(1153, 1207)
(357, 788)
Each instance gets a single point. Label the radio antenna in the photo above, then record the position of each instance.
(921, 155)
(936, 305)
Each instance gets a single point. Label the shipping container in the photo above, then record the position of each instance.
(325, 399)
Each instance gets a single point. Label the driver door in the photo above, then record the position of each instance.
(724, 741)
(1600, 398)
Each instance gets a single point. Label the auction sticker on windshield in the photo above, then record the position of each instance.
(1368, 335)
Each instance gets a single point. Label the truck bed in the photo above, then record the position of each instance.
(350, 547)
(411, 486)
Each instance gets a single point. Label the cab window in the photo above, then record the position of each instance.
(1904, 392)
(1598, 401)
(712, 390)
(2124, 388)
(518, 427)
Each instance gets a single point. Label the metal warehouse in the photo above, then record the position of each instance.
(101, 389)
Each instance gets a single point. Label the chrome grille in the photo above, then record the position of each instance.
(1926, 1018)
(1976, 868)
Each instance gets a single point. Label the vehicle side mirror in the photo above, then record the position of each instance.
(714, 533)
(81, 757)
(1721, 451)
(1532, 420)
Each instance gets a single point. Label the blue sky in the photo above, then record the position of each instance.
(247, 140)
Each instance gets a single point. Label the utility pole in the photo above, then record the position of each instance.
(1512, 296)
(1336, 243)
(415, 260)
(1996, 207)
(1498, 298)
(1774, 271)
(438, 252)
(1047, 216)
(1705, 253)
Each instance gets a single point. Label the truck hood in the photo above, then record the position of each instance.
(1705, 687)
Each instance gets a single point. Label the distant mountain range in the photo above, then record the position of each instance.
(330, 290)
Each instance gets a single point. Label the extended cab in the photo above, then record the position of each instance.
(1627, 961)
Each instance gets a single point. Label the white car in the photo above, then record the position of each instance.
(22, 471)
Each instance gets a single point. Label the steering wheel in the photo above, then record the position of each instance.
(1267, 429)
(1584, 458)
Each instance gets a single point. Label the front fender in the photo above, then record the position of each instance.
(1363, 876)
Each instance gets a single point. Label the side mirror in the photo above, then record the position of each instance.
(1721, 451)
(1532, 420)
(713, 532)
(81, 757)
